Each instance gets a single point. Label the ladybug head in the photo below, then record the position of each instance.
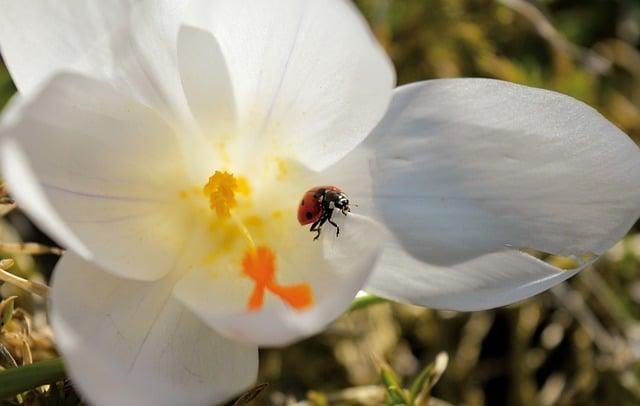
(342, 202)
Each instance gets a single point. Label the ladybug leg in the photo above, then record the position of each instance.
(329, 215)
(334, 224)
(317, 226)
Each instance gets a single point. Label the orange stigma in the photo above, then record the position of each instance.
(260, 265)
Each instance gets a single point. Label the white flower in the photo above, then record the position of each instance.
(130, 113)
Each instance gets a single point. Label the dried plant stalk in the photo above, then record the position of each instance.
(30, 286)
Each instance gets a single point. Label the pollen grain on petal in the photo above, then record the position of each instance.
(244, 188)
(260, 266)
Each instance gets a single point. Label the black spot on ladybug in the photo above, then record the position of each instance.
(308, 215)
(302, 203)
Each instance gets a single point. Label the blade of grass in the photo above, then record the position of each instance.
(14, 381)
(365, 300)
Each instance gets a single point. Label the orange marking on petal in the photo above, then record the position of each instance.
(296, 296)
(260, 265)
(256, 300)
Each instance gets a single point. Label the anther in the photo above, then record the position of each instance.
(221, 189)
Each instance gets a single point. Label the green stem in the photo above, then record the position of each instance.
(365, 301)
(14, 381)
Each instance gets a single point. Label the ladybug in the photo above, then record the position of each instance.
(317, 206)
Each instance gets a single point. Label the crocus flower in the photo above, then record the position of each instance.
(167, 145)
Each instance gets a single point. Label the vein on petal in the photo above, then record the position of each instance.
(101, 196)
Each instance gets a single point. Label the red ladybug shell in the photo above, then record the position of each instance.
(310, 209)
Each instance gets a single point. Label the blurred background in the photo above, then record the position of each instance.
(577, 344)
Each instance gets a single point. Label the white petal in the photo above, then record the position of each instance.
(16, 170)
(150, 43)
(207, 87)
(41, 37)
(335, 268)
(466, 170)
(100, 168)
(130, 44)
(485, 282)
(466, 167)
(206, 81)
(307, 74)
(130, 343)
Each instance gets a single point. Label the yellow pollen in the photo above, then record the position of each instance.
(232, 224)
(283, 170)
(253, 221)
(243, 186)
(221, 190)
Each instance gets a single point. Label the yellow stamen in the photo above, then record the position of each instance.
(259, 262)
(245, 233)
(221, 190)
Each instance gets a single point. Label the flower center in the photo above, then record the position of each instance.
(259, 262)
(221, 190)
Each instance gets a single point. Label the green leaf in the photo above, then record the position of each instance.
(396, 394)
(420, 390)
(389, 377)
(419, 383)
(17, 380)
(6, 310)
(317, 398)
(364, 301)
